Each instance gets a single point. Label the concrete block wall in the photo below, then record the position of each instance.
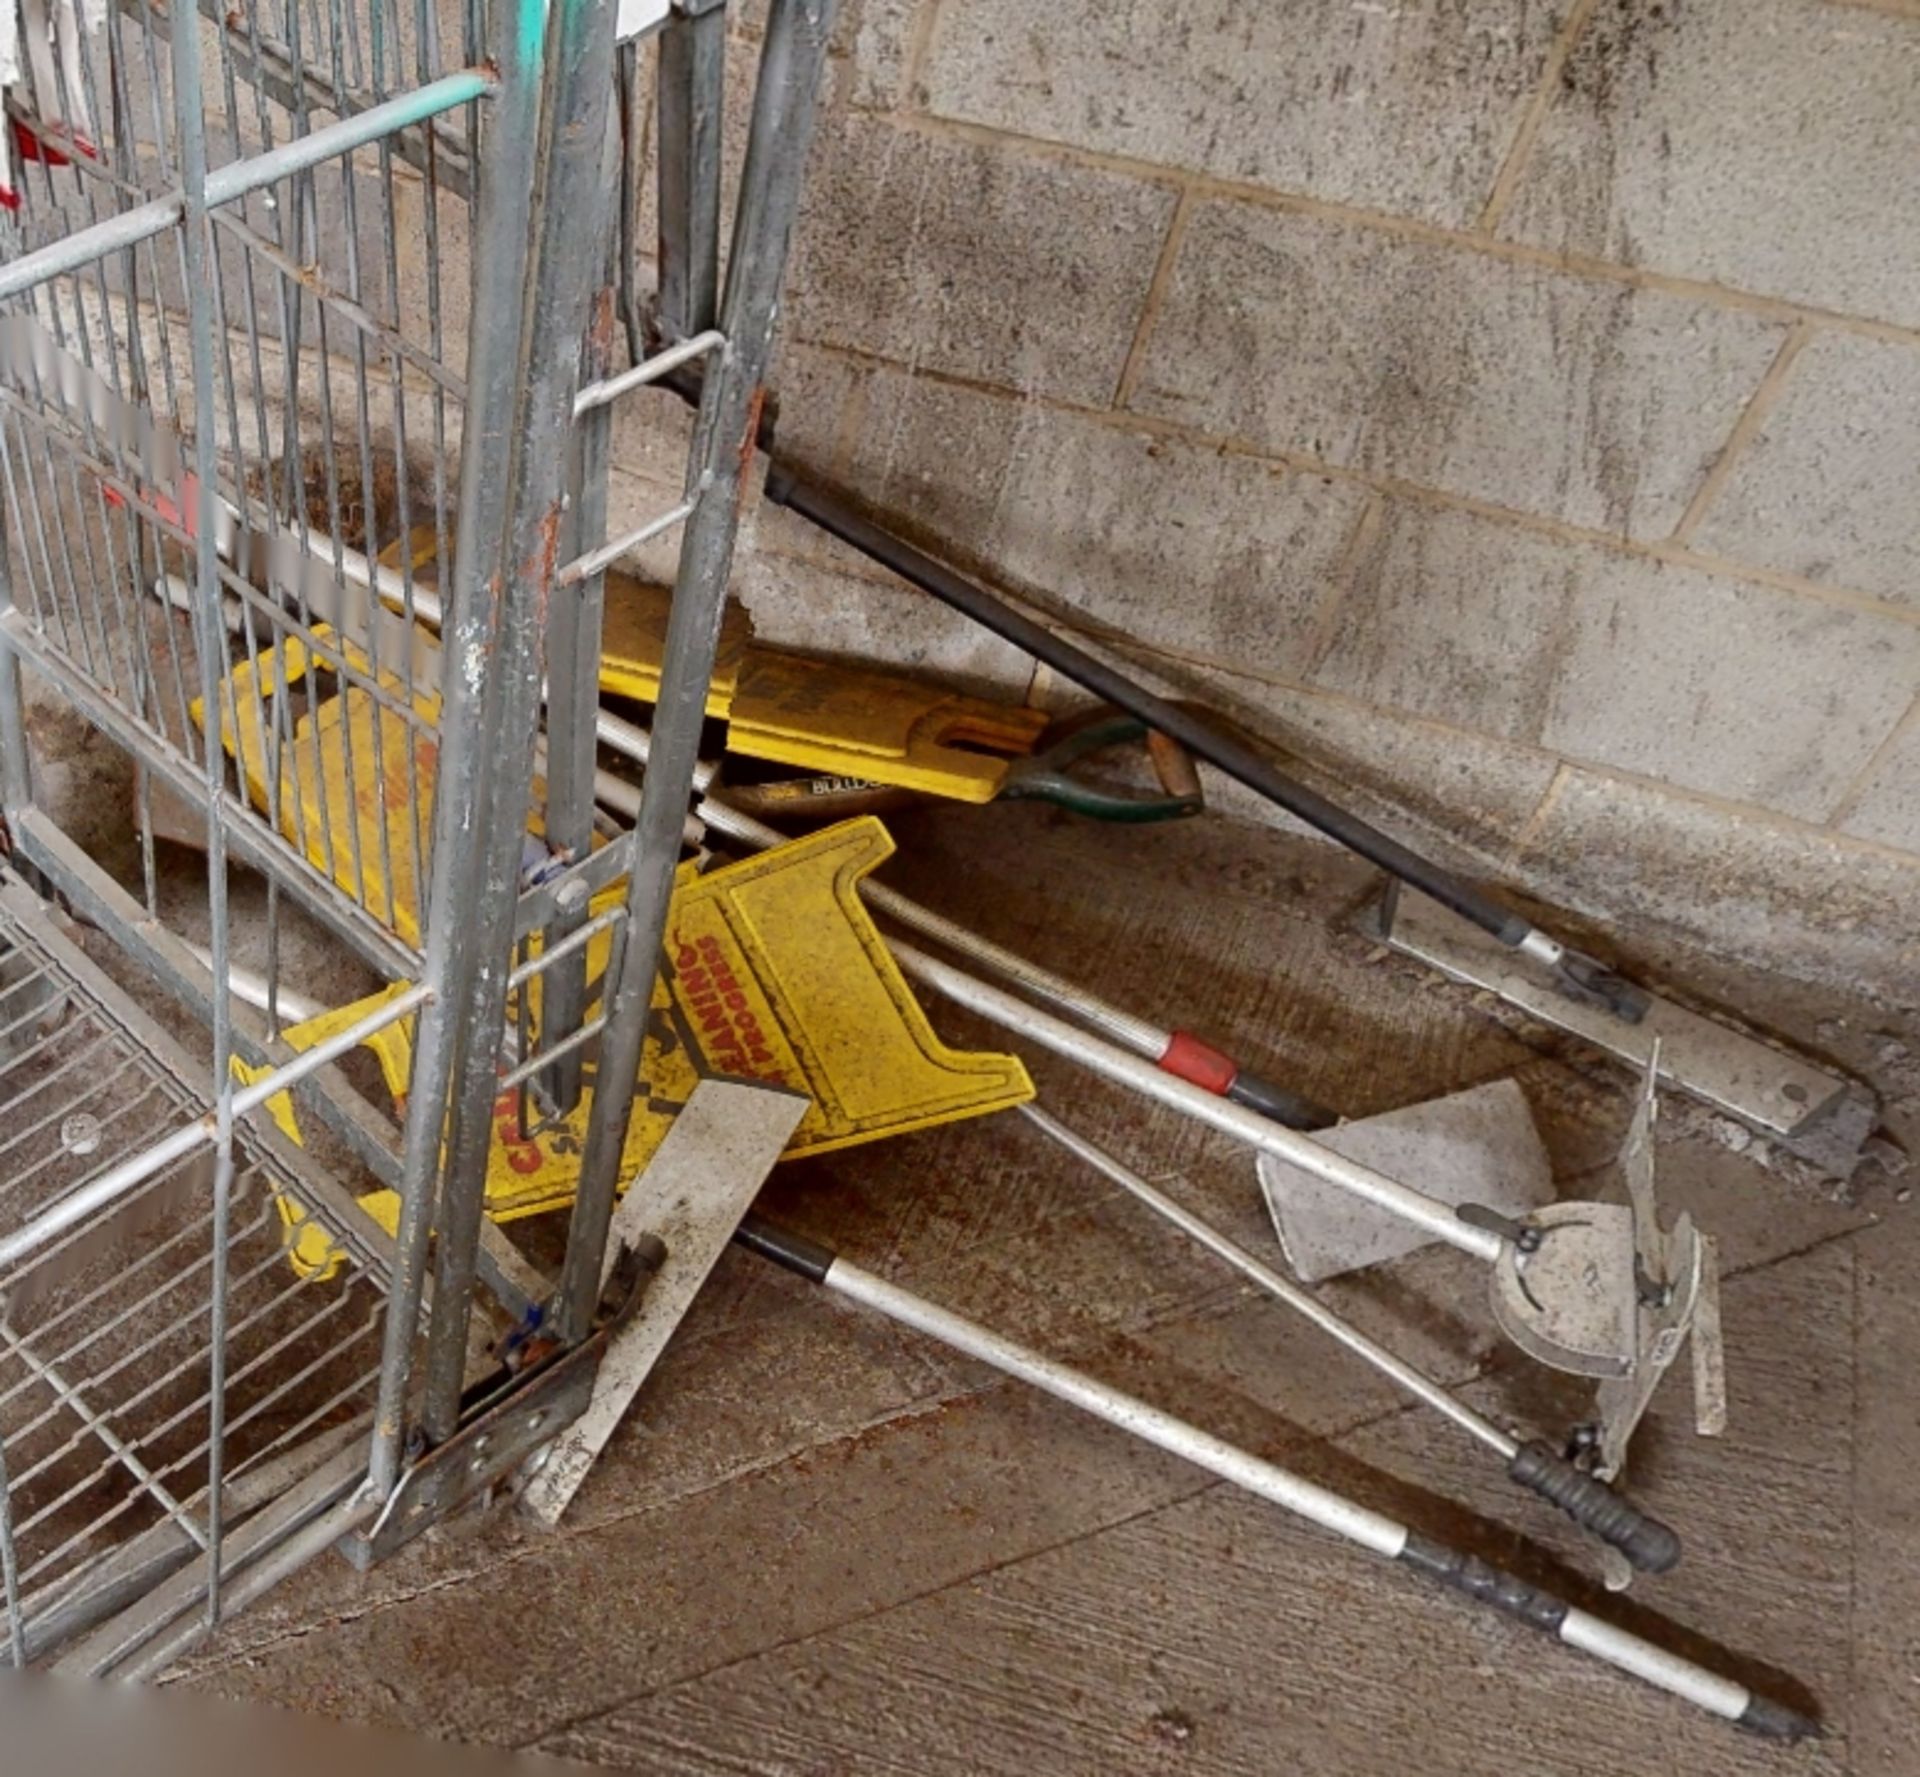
(1511, 407)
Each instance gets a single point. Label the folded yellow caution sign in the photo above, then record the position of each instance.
(773, 971)
(840, 717)
(820, 715)
(633, 638)
(311, 1250)
(346, 795)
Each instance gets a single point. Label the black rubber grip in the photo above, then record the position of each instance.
(1589, 981)
(1487, 1584)
(1647, 1543)
(805, 1258)
(1273, 1100)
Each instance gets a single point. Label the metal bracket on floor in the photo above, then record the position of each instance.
(1823, 1117)
(510, 1419)
(685, 1207)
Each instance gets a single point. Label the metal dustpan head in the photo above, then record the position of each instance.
(1479, 1146)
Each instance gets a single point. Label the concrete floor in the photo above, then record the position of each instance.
(823, 1545)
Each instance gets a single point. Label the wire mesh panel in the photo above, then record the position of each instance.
(303, 461)
(228, 389)
(110, 1404)
(338, 341)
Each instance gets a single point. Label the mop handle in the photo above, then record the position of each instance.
(1577, 975)
(1346, 1518)
(1647, 1544)
(1178, 1052)
(1435, 1219)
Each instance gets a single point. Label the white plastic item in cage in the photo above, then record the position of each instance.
(9, 79)
(635, 18)
(51, 29)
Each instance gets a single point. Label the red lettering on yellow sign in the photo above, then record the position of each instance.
(522, 1155)
(720, 1006)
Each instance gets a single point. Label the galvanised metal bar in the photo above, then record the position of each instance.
(596, 561)
(56, 1616)
(648, 370)
(280, 72)
(251, 841)
(634, 104)
(211, 1130)
(16, 783)
(574, 622)
(187, 977)
(724, 439)
(197, 259)
(692, 92)
(572, 202)
(1434, 1218)
(469, 761)
(67, 1396)
(237, 178)
(1346, 1518)
(10, 1570)
(1301, 1300)
(100, 901)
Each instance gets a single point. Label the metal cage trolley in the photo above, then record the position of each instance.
(300, 300)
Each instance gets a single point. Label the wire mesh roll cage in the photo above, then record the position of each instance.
(296, 302)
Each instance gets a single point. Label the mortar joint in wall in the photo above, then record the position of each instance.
(1746, 427)
(1566, 263)
(1850, 798)
(1513, 164)
(1326, 612)
(914, 60)
(1662, 550)
(1530, 830)
(1155, 298)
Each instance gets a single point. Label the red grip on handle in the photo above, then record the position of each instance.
(1189, 1058)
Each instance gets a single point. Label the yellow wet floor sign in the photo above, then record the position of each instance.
(839, 717)
(349, 798)
(346, 795)
(633, 640)
(773, 971)
(826, 716)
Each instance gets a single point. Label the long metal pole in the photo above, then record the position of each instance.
(1265, 1278)
(211, 640)
(127, 228)
(1432, 1217)
(16, 778)
(117, 1181)
(574, 624)
(469, 633)
(1590, 1502)
(1345, 1518)
(1176, 1052)
(573, 216)
(693, 50)
(783, 107)
(15, 768)
(10, 1571)
(1581, 976)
